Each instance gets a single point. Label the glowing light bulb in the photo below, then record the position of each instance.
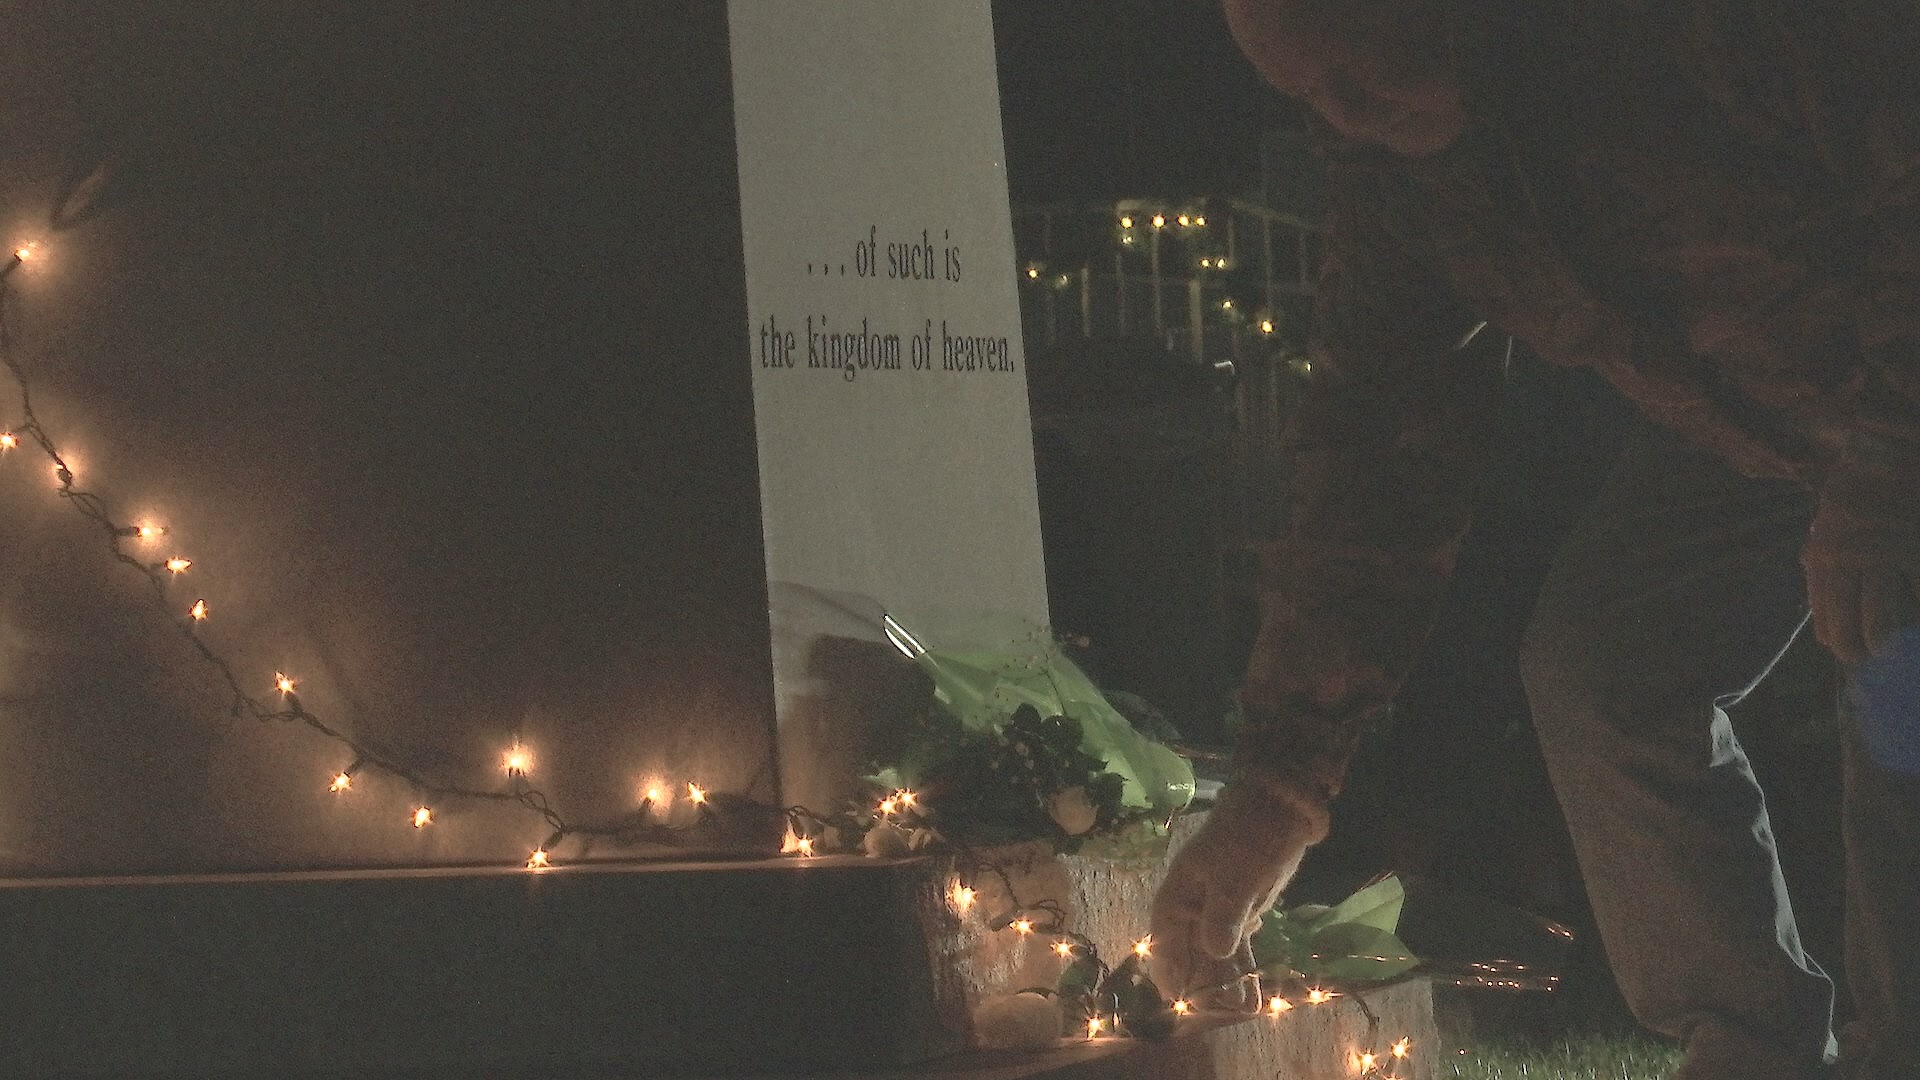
(178, 565)
(422, 817)
(283, 682)
(962, 897)
(1204, 263)
(1400, 1048)
(517, 760)
(1219, 264)
(150, 531)
(790, 843)
(1182, 1007)
(697, 794)
(886, 807)
(198, 612)
(1277, 1005)
(1022, 926)
(1033, 272)
(1184, 220)
(1200, 220)
(24, 252)
(1317, 996)
(8, 440)
(1063, 949)
(1226, 305)
(1144, 947)
(1094, 1026)
(907, 798)
(1366, 1061)
(341, 782)
(1159, 221)
(654, 792)
(805, 847)
(1266, 326)
(538, 860)
(1126, 221)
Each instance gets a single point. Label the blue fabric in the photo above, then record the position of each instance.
(1885, 698)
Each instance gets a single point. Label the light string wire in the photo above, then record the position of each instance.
(633, 828)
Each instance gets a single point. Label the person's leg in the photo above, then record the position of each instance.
(1881, 820)
(1674, 594)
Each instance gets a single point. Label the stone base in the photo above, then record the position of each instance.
(837, 966)
(656, 970)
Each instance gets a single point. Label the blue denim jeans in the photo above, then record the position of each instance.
(1672, 598)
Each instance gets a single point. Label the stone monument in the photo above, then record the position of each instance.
(511, 380)
(554, 397)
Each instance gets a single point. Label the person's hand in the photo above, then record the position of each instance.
(1862, 557)
(1220, 884)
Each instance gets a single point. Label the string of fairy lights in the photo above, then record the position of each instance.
(130, 544)
(137, 546)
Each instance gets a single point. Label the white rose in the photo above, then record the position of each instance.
(1072, 811)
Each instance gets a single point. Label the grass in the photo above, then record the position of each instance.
(1580, 1057)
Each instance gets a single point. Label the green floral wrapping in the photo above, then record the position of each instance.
(984, 688)
(1353, 940)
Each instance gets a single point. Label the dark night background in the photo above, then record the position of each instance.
(1102, 100)
(1117, 100)
(1151, 98)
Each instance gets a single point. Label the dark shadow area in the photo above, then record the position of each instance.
(1453, 792)
(1128, 448)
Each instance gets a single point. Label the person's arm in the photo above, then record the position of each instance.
(1383, 463)
(1384, 456)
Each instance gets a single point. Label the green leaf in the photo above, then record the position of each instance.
(1144, 1011)
(1354, 939)
(1079, 977)
(1357, 951)
(1281, 941)
(1124, 975)
(1377, 905)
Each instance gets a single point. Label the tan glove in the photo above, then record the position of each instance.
(1220, 884)
(1862, 556)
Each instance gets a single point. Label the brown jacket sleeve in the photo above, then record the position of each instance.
(1383, 464)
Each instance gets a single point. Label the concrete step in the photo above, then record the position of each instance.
(777, 967)
(649, 970)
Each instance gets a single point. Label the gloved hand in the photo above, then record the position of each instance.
(1220, 884)
(1862, 556)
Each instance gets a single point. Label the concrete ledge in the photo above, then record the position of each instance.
(840, 966)
(625, 970)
